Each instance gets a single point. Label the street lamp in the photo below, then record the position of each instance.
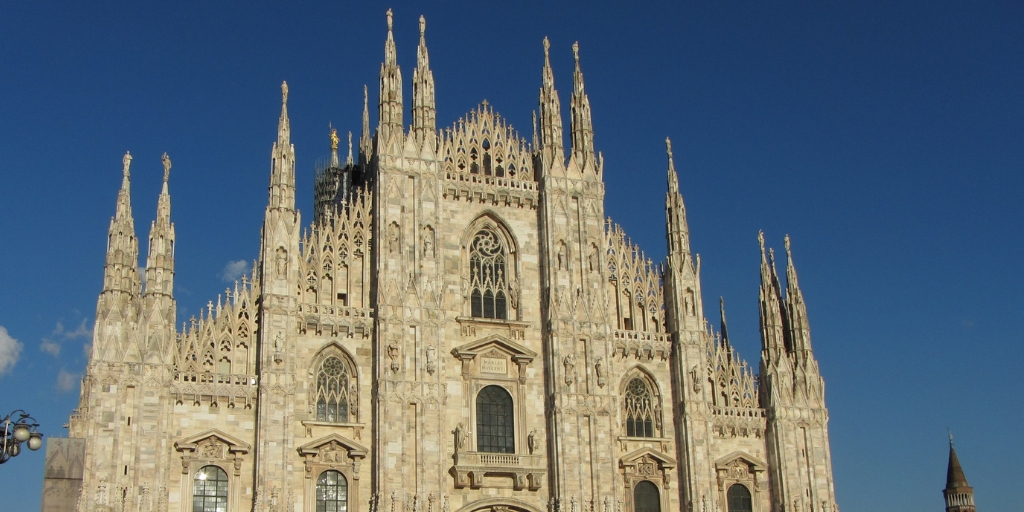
(16, 432)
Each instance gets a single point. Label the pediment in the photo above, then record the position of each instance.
(518, 352)
(354, 449)
(190, 443)
(637, 456)
(735, 458)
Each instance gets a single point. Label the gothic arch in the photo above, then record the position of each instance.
(493, 504)
(642, 407)
(490, 269)
(347, 397)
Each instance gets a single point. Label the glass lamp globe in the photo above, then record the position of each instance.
(35, 442)
(21, 432)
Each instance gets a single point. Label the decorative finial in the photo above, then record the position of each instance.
(334, 139)
(950, 437)
(547, 46)
(167, 166)
(668, 146)
(576, 52)
(789, 253)
(127, 161)
(284, 93)
(760, 240)
(423, 26)
(350, 146)
(389, 20)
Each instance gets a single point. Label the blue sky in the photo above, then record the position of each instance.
(884, 137)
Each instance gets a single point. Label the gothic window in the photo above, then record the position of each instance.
(646, 499)
(331, 492)
(640, 409)
(739, 499)
(332, 390)
(494, 421)
(210, 490)
(488, 268)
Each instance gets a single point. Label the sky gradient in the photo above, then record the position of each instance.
(886, 138)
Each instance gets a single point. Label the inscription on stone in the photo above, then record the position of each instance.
(493, 365)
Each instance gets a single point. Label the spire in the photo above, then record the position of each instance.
(424, 112)
(772, 331)
(725, 330)
(349, 161)
(365, 143)
(334, 147)
(675, 210)
(390, 89)
(160, 256)
(959, 495)
(282, 172)
(550, 115)
(799, 329)
(121, 270)
(581, 127)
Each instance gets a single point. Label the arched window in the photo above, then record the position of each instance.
(739, 499)
(210, 490)
(645, 497)
(488, 275)
(332, 390)
(640, 409)
(494, 421)
(331, 492)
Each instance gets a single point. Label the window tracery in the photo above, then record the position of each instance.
(488, 275)
(210, 490)
(331, 492)
(332, 397)
(641, 409)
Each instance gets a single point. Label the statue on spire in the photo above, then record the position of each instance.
(389, 19)
(167, 166)
(423, 26)
(127, 161)
(575, 52)
(334, 139)
(284, 93)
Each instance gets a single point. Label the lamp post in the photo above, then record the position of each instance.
(17, 431)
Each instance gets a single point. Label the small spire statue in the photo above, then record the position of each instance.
(284, 93)
(576, 53)
(789, 253)
(389, 19)
(334, 139)
(127, 161)
(423, 26)
(167, 166)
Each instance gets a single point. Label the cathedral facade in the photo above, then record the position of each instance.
(459, 329)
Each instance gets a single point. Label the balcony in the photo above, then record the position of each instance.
(471, 468)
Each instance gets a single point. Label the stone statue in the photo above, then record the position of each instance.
(284, 92)
(601, 372)
(127, 161)
(531, 441)
(428, 242)
(561, 256)
(431, 365)
(281, 263)
(393, 237)
(570, 369)
(394, 353)
(460, 437)
(167, 166)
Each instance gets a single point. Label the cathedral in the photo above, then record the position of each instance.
(459, 329)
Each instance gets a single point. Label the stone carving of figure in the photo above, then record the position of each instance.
(601, 372)
(431, 365)
(394, 352)
(167, 166)
(428, 242)
(531, 441)
(592, 258)
(127, 161)
(513, 293)
(281, 262)
(570, 369)
(461, 438)
(561, 256)
(393, 236)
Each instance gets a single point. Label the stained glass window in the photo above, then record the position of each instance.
(494, 421)
(331, 492)
(639, 409)
(645, 497)
(210, 490)
(332, 390)
(488, 275)
(739, 499)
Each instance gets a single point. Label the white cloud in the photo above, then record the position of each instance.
(66, 381)
(10, 349)
(52, 343)
(234, 270)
